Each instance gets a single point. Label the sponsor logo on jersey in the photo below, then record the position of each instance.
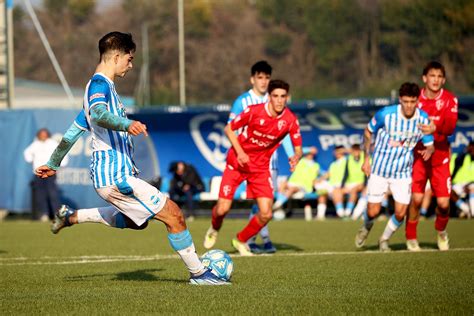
(226, 189)
(439, 104)
(259, 143)
(281, 124)
(262, 121)
(96, 96)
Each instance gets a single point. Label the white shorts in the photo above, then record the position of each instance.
(350, 186)
(298, 186)
(324, 186)
(377, 186)
(135, 198)
(460, 188)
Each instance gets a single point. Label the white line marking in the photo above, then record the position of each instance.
(123, 258)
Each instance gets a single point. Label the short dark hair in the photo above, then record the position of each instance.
(278, 84)
(409, 89)
(434, 65)
(261, 67)
(122, 42)
(355, 146)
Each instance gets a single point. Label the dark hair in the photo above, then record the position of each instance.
(261, 67)
(339, 147)
(122, 42)
(409, 89)
(278, 84)
(356, 146)
(434, 65)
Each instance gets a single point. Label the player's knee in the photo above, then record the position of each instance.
(266, 216)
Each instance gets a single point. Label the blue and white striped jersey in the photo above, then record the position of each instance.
(245, 100)
(396, 138)
(81, 122)
(112, 153)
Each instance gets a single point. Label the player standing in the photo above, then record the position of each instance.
(264, 127)
(442, 108)
(398, 129)
(260, 74)
(113, 171)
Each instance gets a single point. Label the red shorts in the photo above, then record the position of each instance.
(439, 176)
(259, 184)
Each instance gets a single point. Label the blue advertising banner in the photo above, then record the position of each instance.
(194, 135)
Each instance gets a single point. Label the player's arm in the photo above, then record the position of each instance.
(374, 125)
(427, 140)
(236, 109)
(99, 99)
(449, 119)
(288, 146)
(240, 121)
(295, 137)
(73, 133)
(242, 157)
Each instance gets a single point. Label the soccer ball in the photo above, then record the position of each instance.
(220, 263)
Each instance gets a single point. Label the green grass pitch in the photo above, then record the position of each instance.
(92, 269)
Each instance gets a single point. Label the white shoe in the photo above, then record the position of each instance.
(361, 236)
(443, 241)
(210, 238)
(383, 246)
(412, 245)
(242, 248)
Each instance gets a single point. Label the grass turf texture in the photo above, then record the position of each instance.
(316, 271)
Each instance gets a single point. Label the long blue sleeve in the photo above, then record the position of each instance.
(68, 140)
(105, 119)
(288, 146)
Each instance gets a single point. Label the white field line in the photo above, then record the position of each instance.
(20, 261)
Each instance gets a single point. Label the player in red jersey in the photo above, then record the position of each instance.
(442, 108)
(264, 127)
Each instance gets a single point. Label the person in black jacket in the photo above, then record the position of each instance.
(185, 183)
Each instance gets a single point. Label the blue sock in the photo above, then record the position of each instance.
(459, 203)
(281, 199)
(385, 203)
(368, 221)
(180, 241)
(349, 206)
(423, 211)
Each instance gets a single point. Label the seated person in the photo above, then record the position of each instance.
(462, 175)
(185, 183)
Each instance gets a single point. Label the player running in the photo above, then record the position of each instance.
(398, 129)
(264, 127)
(114, 174)
(260, 73)
(442, 108)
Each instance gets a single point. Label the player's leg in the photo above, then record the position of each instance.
(420, 176)
(401, 191)
(441, 186)
(219, 211)
(376, 188)
(337, 199)
(361, 205)
(254, 226)
(108, 216)
(259, 187)
(471, 198)
(265, 232)
(425, 204)
(456, 193)
(231, 179)
(322, 206)
(353, 191)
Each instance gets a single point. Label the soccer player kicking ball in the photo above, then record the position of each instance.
(442, 108)
(265, 125)
(114, 174)
(398, 129)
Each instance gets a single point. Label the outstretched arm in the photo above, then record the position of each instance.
(102, 117)
(68, 140)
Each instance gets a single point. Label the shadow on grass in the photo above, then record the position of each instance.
(138, 275)
(279, 247)
(403, 246)
(2, 252)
